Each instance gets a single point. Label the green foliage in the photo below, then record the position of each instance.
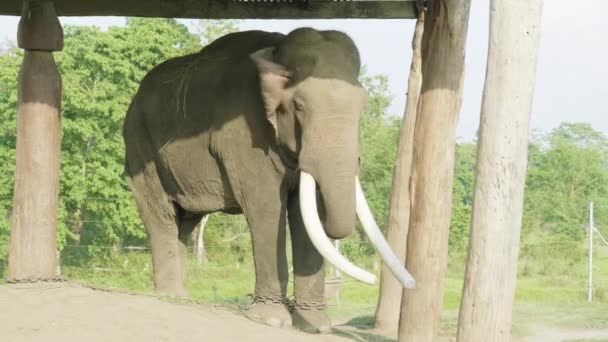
(378, 136)
(210, 30)
(568, 167)
(462, 200)
(101, 72)
(9, 68)
(227, 238)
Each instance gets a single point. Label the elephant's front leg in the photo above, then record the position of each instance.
(266, 217)
(309, 275)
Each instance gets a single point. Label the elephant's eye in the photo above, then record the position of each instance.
(298, 105)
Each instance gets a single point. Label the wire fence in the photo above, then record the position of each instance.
(222, 276)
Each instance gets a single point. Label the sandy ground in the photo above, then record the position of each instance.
(549, 334)
(66, 312)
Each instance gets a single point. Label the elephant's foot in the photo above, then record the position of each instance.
(272, 313)
(311, 318)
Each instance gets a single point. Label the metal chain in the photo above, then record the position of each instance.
(36, 280)
(291, 303)
(269, 300)
(308, 305)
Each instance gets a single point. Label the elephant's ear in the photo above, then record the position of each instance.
(273, 78)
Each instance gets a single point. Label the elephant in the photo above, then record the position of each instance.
(263, 124)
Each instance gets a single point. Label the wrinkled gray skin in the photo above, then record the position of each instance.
(228, 129)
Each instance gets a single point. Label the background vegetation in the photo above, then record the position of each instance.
(568, 167)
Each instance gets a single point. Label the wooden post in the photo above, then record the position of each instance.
(199, 243)
(590, 247)
(389, 300)
(443, 46)
(489, 288)
(32, 253)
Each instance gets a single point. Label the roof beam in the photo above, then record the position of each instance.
(228, 9)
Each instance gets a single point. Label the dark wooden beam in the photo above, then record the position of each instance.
(227, 9)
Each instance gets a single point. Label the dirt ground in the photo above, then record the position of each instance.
(67, 312)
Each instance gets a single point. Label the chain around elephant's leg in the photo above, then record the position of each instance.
(269, 311)
(308, 313)
(266, 218)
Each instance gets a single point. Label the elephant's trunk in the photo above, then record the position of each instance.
(338, 200)
(332, 161)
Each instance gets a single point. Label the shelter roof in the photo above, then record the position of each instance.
(229, 9)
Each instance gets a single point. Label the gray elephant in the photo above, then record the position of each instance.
(251, 124)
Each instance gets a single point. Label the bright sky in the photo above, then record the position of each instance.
(572, 71)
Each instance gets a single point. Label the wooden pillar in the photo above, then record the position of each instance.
(32, 251)
(443, 46)
(199, 243)
(489, 288)
(389, 300)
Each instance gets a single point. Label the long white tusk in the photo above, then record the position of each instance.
(377, 239)
(310, 216)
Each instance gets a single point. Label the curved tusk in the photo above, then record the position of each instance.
(312, 223)
(379, 242)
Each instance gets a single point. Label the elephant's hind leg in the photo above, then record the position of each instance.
(185, 229)
(161, 222)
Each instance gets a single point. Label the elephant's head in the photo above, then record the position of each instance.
(313, 100)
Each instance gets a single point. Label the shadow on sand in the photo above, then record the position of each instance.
(361, 328)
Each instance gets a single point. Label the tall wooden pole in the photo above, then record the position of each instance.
(389, 300)
(32, 251)
(489, 288)
(590, 247)
(199, 243)
(443, 46)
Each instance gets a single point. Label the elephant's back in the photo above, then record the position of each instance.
(195, 93)
(241, 43)
(201, 98)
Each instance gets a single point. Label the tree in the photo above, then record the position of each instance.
(464, 177)
(489, 288)
(210, 30)
(102, 72)
(568, 167)
(377, 137)
(9, 68)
